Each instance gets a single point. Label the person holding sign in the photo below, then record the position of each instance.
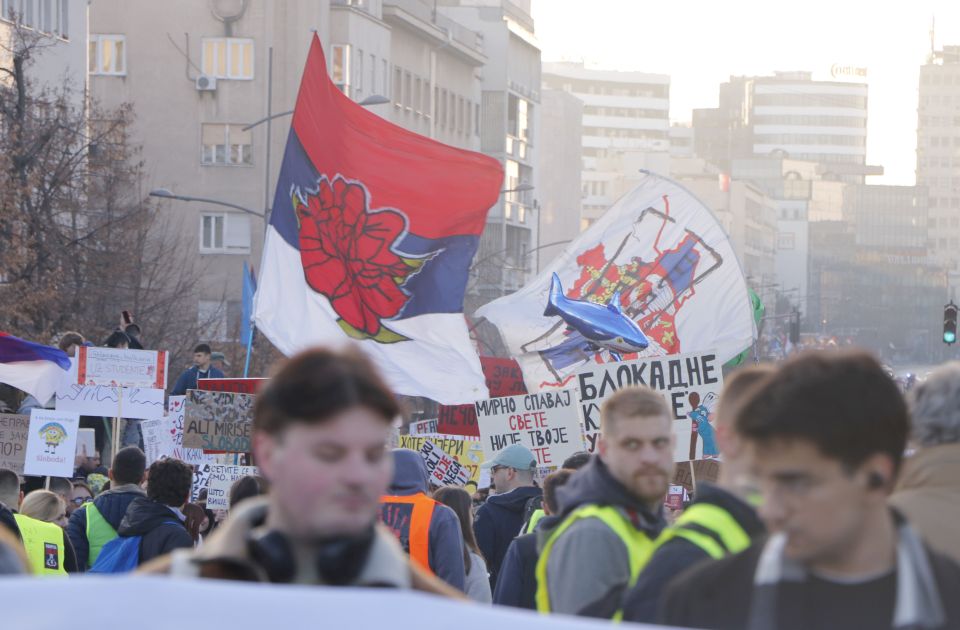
(611, 511)
(320, 431)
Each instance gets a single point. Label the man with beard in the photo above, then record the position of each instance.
(611, 511)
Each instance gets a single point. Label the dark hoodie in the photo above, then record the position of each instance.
(678, 555)
(161, 528)
(498, 522)
(588, 569)
(445, 540)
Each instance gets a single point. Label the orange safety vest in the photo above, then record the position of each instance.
(413, 532)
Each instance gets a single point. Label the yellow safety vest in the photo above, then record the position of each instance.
(710, 528)
(99, 532)
(44, 544)
(639, 548)
(534, 519)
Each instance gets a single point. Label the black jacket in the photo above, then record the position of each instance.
(678, 555)
(161, 529)
(717, 595)
(517, 581)
(7, 520)
(498, 522)
(113, 505)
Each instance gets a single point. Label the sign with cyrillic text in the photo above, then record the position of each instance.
(466, 451)
(547, 423)
(690, 384)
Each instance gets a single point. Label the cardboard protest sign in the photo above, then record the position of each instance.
(122, 368)
(468, 453)
(689, 474)
(443, 469)
(547, 423)
(235, 385)
(221, 477)
(13, 441)
(503, 377)
(690, 384)
(218, 421)
(423, 427)
(51, 443)
(112, 402)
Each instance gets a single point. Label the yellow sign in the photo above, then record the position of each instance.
(468, 452)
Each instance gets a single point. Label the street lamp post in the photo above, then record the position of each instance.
(522, 187)
(163, 193)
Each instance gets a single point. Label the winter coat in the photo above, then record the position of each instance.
(113, 505)
(928, 495)
(517, 582)
(445, 538)
(588, 568)
(161, 528)
(498, 521)
(188, 380)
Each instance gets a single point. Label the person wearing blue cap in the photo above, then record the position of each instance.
(500, 519)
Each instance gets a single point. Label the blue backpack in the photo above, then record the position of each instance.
(120, 555)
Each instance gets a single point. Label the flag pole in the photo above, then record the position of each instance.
(246, 365)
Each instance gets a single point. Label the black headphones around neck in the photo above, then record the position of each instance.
(338, 560)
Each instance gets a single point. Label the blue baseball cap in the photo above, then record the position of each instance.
(514, 456)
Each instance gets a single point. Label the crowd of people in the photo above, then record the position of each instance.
(834, 506)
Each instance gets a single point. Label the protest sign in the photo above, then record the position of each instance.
(689, 474)
(122, 368)
(51, 443)
(13, 441)
(503, 377)
(676, 496)
(690, 384)
(443, 469)
(112, 402)
(547, 423)
(158, 439)
(235, 385)
(86, 442)
(218, 421)
(466, 451)
(423, 427)
(221, 477)
(201, 477)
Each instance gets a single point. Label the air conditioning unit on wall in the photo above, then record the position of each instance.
(206, 83)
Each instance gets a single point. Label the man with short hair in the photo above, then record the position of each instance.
(95, 524)
(201, 369)
(721, 521)
(10, 497)
(826, 434)
(500, 519)
(612, 510)
(46, 546)
(157, 517)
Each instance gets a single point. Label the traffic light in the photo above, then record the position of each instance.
(950, 323)
(795, 327)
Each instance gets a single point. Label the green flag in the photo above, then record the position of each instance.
(758, 311)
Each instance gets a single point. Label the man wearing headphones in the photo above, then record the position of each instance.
(826, 435)
(320, 433)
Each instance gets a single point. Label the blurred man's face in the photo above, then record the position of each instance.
(639, 453)
(820, 506)
(327, 479)
(202, 360)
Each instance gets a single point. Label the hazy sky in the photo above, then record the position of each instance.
(701, 43)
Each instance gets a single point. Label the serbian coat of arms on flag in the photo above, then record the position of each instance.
(371, 236)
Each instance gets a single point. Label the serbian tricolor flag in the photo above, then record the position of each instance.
(36, 369)
(371, 236)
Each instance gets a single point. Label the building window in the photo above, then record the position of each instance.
(108, 55)
(385, 77)
(228, 58)
(358, 80)
(398, 86)
(373, 74)
(340, 67)
(226, 145)
(224, 233)
(418, 96)
(407, 91)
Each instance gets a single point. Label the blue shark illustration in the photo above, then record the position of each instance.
(601, 326)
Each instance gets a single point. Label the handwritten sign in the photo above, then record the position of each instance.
(51, 443)
(423, 427)
(690, 384)
(13, 441)
(220, 479)
(443, 469)
(503, 377)
(112, 402)
(468, 453)
(547, 423)
(218, 421)
(685, 473)
(122, 368)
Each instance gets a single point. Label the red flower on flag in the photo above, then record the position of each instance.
(347, 255)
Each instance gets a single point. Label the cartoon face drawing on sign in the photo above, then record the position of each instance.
(53, 435)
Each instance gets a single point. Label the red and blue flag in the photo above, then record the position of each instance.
(34, 368)
(371, 237)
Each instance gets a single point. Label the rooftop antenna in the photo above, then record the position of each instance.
(933, 29)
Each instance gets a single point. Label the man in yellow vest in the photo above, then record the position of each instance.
(428, 530)
(96, 523)
(721, 521)
(44, 543)
(611, 510)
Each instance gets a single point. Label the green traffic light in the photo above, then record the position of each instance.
(949, 337)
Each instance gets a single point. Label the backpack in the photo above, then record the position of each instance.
(532, 505)
(121, 555)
